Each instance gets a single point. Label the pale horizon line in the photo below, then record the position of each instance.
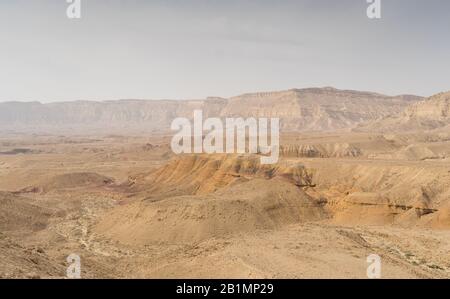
(45, 102)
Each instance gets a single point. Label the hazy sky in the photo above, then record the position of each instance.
(171, 49)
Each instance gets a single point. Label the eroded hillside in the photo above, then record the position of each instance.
(129, 207)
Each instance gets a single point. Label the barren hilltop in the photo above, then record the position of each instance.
(430, 114)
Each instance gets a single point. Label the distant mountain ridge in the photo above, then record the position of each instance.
(310, 109)
(430, 114)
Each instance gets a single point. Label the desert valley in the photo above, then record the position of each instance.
(359, 173)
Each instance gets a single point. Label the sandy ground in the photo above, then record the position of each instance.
(129, 208)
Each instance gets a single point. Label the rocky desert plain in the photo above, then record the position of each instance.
(359, 173)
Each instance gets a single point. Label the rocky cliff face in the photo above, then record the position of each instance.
(318, 109)
(330, 150)
(432, 113)
(313, 109)
(437, 107)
